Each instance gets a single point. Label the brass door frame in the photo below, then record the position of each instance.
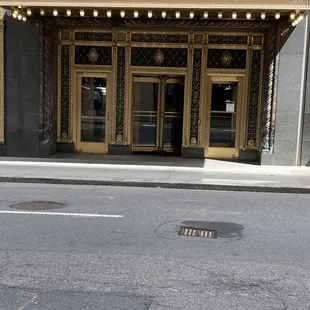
(225, 152)
(162, 81)
(91, 147)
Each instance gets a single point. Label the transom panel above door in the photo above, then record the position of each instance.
(158, 104)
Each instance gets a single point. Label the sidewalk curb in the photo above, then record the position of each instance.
(188, 186)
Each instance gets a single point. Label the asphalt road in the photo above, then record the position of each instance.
(80, 258)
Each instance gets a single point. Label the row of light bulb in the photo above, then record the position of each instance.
(295, 20)
(164, 14)
(20, 15)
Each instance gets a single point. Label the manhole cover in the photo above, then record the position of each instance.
(210, 229)
(193, 232)
(38, 205)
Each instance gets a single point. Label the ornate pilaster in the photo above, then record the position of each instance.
(202, 94)
(268, 107)
(254, 101)
(127, 90)
(46, 84)
(195, 98)
(120, 94)
(187, 116)
(64, 92)
(2, 12)
(114, 91)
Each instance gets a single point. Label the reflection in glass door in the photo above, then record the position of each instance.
(145, 113)
(223, 117)
(92, 111)
(158, 114)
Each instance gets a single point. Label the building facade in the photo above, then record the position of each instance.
(203, 81)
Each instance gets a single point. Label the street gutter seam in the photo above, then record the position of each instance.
(187, 186)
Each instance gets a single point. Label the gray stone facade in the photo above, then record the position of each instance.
(22, 88)
(31, 85)
(25, 92)
(289, 88)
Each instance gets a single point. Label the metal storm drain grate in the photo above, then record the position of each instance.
(194, 232)
(38, 205)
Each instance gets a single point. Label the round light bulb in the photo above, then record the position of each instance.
(95, 13)
(14, 15)
(55, 12)
(220, 15)
(277, 16)
(29, 12)
(42, 12)
(82, 13)
(68, 12)
(248, 15)
(149, 14)
(19, 17)
(24, 18)
(191, 14)
(263, 15)
(123, 13)
(163, 14)
(136, 14)
(301, 16)
(177, 14)
(234, 15)
(292, 16)
(205, 14)
(109, 13)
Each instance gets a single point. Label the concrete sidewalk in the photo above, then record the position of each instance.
(155, 172)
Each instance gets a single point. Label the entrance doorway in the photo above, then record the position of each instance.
(158, 104)
(223, 117)
(92, 113)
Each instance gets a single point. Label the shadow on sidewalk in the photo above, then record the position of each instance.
(148, 160)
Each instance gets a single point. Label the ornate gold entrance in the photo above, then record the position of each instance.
(206, 64)
(233, 94)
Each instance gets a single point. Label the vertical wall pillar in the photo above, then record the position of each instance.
(304, 156)
(22, 87)
(288, 96)
(120, 98)
(2, 144)
(193, 146)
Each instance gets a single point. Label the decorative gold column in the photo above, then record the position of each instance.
(2, 12)
(126, 137)
(187, 116)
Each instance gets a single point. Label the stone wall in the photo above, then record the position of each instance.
(288, 97)
(28, 91)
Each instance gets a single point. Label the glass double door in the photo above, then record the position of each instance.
(158, 104)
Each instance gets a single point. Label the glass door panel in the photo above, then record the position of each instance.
(157, 114)
(223, 115)
(173, 115)
(93, 109)
(145, 114)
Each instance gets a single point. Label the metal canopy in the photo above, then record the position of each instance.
(168, 4)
